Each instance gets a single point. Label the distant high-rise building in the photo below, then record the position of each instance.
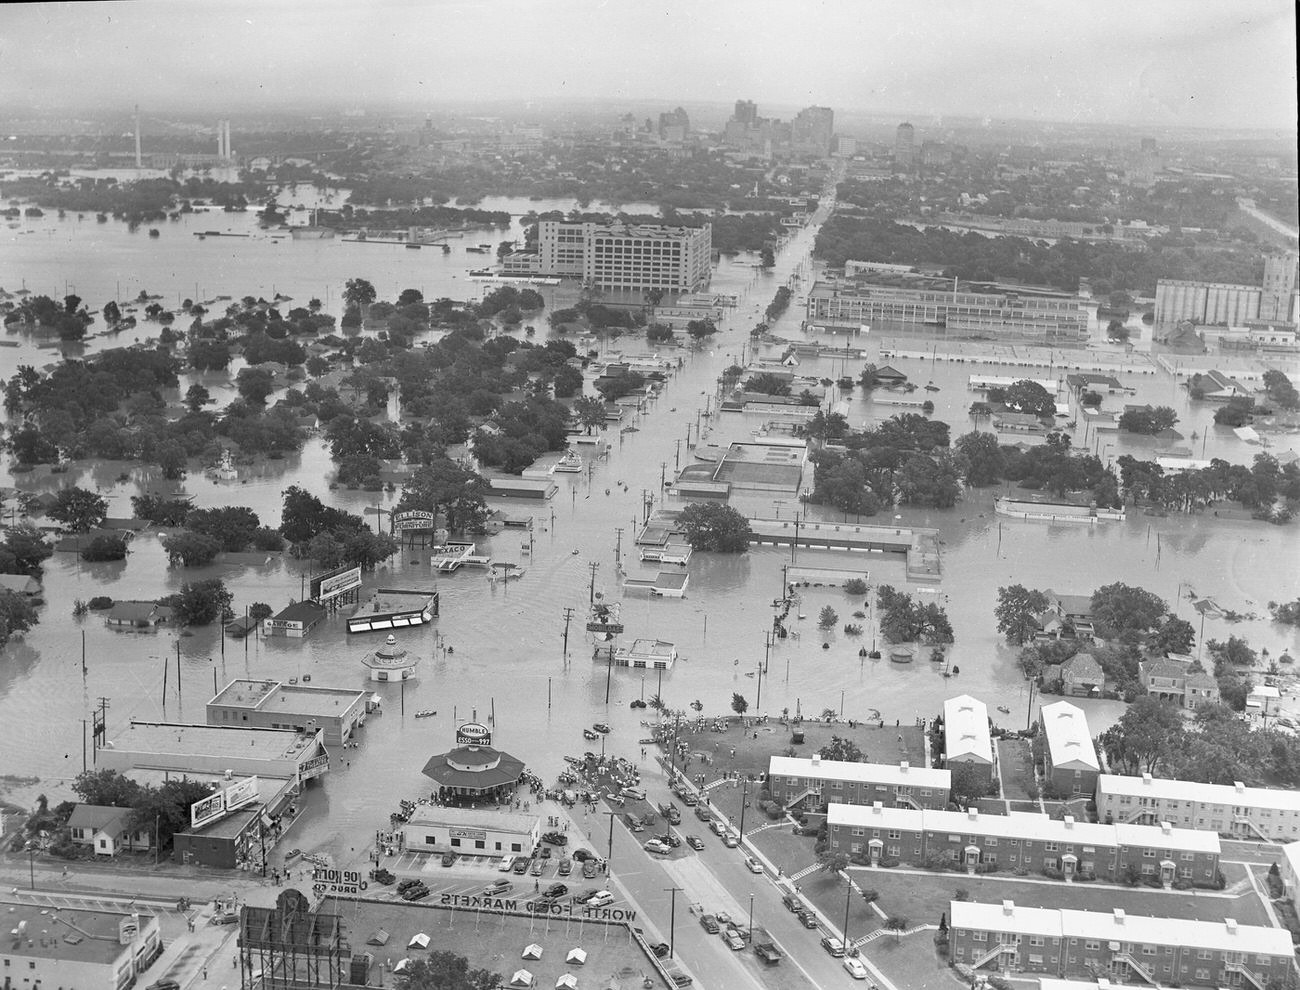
(905, 146)
(746, 112)
(1276, 300)
(813, 129)
(674, 125)
(935, 154)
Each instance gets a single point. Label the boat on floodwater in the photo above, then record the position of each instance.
(570, 463)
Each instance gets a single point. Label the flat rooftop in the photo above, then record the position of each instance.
(289, 699)
(74, 934)
(268, 788)
(502, 821)
(213, 740)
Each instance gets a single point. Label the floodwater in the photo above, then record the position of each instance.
(497, 649)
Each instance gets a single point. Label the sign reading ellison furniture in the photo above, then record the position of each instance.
(334, 583)
(415, 520)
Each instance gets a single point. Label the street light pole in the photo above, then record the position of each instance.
(848, 891)
(744, 801)
(609, 855)
(672, 919)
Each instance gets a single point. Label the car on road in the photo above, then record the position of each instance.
(655, 846)
(695, 842)
(635, 793)
(660, 949)
(703, 813)
(716, 826)
(792, 903)
(669, 839)
(710, 924)
(383, 876)
(808, 919)
(555, 890)
(586, 895)
(733, 939)
(521, 865)
(537, 867)
(834, 946)
(601, 727)
(556, 838)
(496, 888)
(723, 918)
(164, 984)
(600, 899)
(855, 968)
(730, 841)
(566, 867)
(589, 870)
(448, 858)
(581, 855)
(670, 813)
(753, 865)
(690, 800)
(503, 866)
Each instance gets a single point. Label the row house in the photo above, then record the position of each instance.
(1233, 810)
(1171, 680)
(1023, 841)
(1070, 763)
(1118, 947)
(792, 780)
(967, 739)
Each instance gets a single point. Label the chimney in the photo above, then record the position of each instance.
(904, 766)
(877, 807)
(1008, 908)
(1069, 821)
(1166, 828)
(1231, 925)
(816, 759)
(973, 813)
(1146, 779)
(1119, 916)
(1238, 786)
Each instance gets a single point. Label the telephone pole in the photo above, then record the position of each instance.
(568, 614)
(677, 456)
(663, 471)
(618, 547)
(591, 590)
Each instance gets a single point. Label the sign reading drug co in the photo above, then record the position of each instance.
(473, 734)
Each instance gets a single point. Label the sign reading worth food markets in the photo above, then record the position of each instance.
(241, 793)
(207, 809)
(413, 520)
(473, 834)
(335, 583)
(473, 734)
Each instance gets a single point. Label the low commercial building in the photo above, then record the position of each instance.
(1062, 848)
(104, 829)
(1129, 948)
(74, 947)
(1232, 810)
(792, 780)
(1069, 758)
(294, 621)
(184, 748)
(966, 738)
(472, 832)
(337, 712)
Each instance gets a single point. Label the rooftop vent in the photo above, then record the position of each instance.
(1119, 916)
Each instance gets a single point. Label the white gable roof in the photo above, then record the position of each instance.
(1068, 740)
(966, 730)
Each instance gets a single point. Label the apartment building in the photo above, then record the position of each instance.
(1118, 946)
(620, 256)
(793, 779)
(1232, 810)
(1021, 840)
(1069, 758)
(966, 738)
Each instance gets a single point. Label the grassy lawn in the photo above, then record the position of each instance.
(923, 897)
(911, 961)
(1016, 762)
(788, 852)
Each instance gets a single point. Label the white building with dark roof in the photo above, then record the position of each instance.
(966, 737)
(1232, 810)
(1069, 757)
(794, 779)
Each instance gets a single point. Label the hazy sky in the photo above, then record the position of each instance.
(1180, 62)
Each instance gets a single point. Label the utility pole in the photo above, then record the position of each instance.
(663, 473)
(672, 919)
(618, 547)
(759, 700)
(609, 856)
(677, 457)
(568, 614)
(591, 590)
(609, 670)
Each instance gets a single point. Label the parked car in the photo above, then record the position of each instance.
(660, 949)
(556, 838)
(655, 846)
(448, 858)
(753, 865)
(670, 813)
(521, 865)
(544, 852)
(634, 823)
(730, 841)
(586, 895)
(636, 793)
(505, 863)
(537, 867)
(407, 884)
(383, 876)
(690, 800)
(733, 939)
(669, 839)
(497, 887)
(415, 892)
(703, 813)
(601, 727)
(855, 968)
(600, 899)
(808, 919)
(164, 984)
(555, 890)
(792, 903)
(566, 867)
(589, 870)
(695, 842)
(834, 946)
(710, 924)
(716, 826)
(582, 855)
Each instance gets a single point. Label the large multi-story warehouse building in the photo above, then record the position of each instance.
(793, 779)
(1225, 304)
(1119, 946)
(1229, 809)
(620, 256)
(75, 947)
(1024, 841)
(935, 306)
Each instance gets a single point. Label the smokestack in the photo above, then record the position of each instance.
(138, 162)
(221, 140)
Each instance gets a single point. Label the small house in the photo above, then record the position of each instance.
(137, 615)
(104, 829)
(20, 584)
(1082, 677)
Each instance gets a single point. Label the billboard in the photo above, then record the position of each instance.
(207, 809)
(473, 734)
(334, 583)
(473, 834)
(314, 767)
(241, 793)
(413, 520)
